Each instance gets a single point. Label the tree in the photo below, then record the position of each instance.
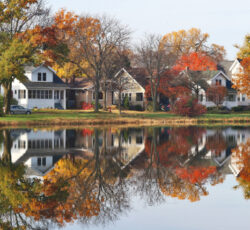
(184, 42)
(216, 94)
(152, 56)
(189, 106)
(92, 42)
(244, 50)
(196, 62)
(242, 82)
(17, 17)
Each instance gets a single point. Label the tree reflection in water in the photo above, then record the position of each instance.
(103, 169)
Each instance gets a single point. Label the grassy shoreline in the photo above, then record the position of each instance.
(128, 118)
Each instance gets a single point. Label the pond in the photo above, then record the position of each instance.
(132, 178)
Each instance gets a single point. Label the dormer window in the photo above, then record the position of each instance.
(218, 82)
(39, 77)
(44, 77)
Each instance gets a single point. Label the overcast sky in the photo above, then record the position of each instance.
(227, 21)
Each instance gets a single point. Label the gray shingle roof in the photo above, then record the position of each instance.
(225, 66)
(57, 83)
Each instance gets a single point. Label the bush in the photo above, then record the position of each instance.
(125, 102)
(149, 106)
(86, 106)
(239, 108)
(99, 105)
(136, 107)
(13, 101)
(189, 106)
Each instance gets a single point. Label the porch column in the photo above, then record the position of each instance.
(64, 99)
(53, 98)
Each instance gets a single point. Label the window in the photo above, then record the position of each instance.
(21, 144)
(21, 94)
(29, 93)
(34, 94)
(39, 161)
(56, 94)
(62, 94)
(231, 98)
(218, 82)
(139, 140)
(46, 94)
(139, 96)
(50, 94)
(100, 95)
(42, 94)
(130, 96)
(44, 161)
(238, 98)
(201, 97)
(44, 77)
(15, 92)
(243, 98)
(39, 77)
(38, 94)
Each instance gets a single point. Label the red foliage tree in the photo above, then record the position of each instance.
(217, 94)
(189, 106)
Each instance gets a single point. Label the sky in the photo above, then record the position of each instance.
(226, 21)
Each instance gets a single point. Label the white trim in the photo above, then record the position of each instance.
(234, 64)
(125, 71)
(219, 74)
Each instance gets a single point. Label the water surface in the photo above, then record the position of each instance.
(134, 178)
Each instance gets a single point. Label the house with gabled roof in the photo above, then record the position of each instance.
(219, 77)
(82, 90)
(41, 89)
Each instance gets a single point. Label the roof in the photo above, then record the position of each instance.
(225, 67)
(208, 75)
(31, 68)
(80, 83)
(57, 83)
(140, 75)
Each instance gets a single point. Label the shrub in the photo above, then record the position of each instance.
(13, 101)
(189, 106)
(149, 106)
(125, 102)
(239, 108)
(136, 107)
(99, 105)
(86, 106)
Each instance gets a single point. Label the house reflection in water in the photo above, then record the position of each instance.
(40, 150)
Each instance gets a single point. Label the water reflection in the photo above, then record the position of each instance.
(52, 177)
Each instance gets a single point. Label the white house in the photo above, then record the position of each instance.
(219, 78)
(42, 89)
(38, 150)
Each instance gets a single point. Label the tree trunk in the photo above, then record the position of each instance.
(155, 102)
(7, 96)
(105, 99)
(97, 87)
(120, 98)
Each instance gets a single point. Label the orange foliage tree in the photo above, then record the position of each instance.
(242, 159)
(242, 82)
(196, 62)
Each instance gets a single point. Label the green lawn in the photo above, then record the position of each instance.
(61, 115)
